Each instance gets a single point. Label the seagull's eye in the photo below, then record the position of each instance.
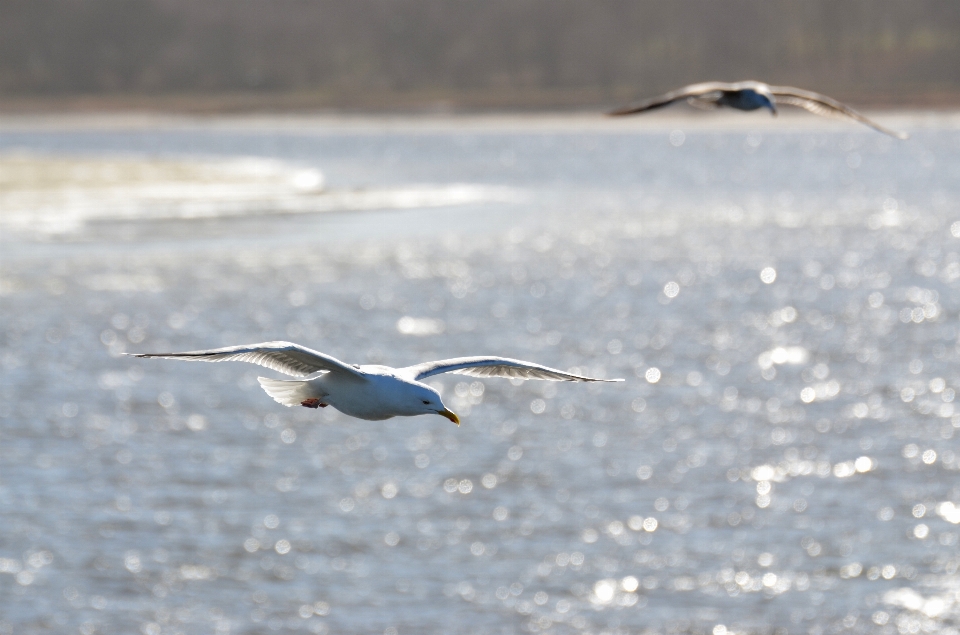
(426, 403)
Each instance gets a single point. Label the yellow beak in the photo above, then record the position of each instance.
(449, 415)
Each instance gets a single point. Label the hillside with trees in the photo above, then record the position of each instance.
(379, 54)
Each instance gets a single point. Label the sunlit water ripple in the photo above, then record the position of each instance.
(782, 458)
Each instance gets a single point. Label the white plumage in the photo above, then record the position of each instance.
(369, 392)
(289, 392)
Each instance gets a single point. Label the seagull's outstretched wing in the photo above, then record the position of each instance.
(492, 367)
(284, 357)
(693, 90)
(826, 106)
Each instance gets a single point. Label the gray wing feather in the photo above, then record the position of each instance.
(705, 102)
(826, 106)
(285, 357)
(493, 367)
(693, 90)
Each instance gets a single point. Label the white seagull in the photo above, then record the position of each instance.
(370, 392)
(751, 95)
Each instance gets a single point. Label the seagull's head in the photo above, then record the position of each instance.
(754, 97)
(767, 101)
(428, 402)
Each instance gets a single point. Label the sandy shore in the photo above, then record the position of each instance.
(548, 122)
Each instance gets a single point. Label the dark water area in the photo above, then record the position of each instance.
(781, 459)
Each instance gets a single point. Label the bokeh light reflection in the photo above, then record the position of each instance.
(781, 458)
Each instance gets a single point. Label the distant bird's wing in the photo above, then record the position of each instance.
(693, 90)
(492, 367)
(826, 106)
(284, 357)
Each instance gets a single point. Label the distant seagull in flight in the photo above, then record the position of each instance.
(368, 392)
(751, 95)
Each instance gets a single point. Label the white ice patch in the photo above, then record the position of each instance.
(420, 326)
(935, 606)
(783, 355)
(55, 195)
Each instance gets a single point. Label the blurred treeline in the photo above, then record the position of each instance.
(475, 53)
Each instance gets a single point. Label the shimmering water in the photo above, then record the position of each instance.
(782, 458)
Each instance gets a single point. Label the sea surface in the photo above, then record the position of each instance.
(782, 298)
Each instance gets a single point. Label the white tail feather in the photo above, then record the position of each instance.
(289, 392)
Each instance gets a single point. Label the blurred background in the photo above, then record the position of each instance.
(394, 182)
(533, 54)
